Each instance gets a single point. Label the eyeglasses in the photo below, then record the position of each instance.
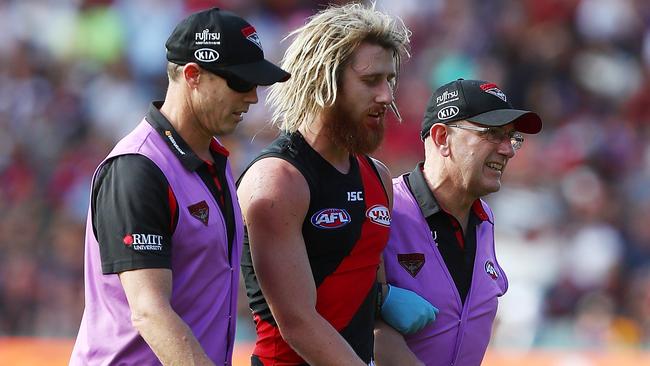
(496, 135)
(234, 82)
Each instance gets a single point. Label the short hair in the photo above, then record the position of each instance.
(321, 49)
(173, 71)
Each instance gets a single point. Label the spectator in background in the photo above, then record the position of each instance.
(442, 235)
(164, 229)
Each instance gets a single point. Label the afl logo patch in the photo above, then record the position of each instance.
(447, 112)
(379, 215)
(330, 218)
(206, 55)
(490, 270)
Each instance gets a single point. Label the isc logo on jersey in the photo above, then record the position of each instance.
(379, 214)
(330, 218)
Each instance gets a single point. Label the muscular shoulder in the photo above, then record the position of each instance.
(273, 186)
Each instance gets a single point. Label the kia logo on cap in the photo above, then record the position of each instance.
(206, 55)
(448, 112)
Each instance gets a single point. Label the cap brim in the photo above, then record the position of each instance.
(525, 121)
(259, 73)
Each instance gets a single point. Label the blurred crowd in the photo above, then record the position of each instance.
(573, 216)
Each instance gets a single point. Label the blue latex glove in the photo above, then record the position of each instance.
(407, 311)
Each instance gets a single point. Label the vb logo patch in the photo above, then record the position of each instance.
(412, 262)
(490, 270)
(330, 218)
(379, 214)
(200, 211)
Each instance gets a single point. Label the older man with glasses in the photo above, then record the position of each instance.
(441, 242)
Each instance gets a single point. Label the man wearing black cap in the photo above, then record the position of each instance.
(441, 242)
(164, 229)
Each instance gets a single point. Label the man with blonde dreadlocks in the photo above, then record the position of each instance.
(317, 207)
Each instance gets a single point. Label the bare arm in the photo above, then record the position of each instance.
(390, 347)
(148, 292)
(275, 198)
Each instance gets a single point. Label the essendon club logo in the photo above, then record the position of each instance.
(200, 211)
(330, 218)
(251, 35)
(494, 90)
(412, 262)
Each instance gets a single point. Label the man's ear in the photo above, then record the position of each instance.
(192, 74)
(439, 135)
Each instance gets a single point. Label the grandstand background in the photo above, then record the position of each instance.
(573, 217)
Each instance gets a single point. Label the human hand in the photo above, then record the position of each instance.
(407, 311)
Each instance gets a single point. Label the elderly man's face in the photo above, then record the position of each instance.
(479, 161)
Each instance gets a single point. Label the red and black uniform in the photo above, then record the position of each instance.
(345, 230)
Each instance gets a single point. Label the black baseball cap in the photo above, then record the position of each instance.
(225, 44)
(476, 101)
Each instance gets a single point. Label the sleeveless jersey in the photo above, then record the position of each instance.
(345, 230)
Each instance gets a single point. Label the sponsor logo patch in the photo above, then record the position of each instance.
(171, 139)
(411, 262)
(143, 241)
(447, 112)
(355, 196)
(207, 37)
(494, 90)
(446, 97)
(206, 55)
(200, 211)
(330, 218)
(490, 270)
(251, 34)
(379, 214)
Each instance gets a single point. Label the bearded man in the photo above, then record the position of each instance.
(317, 207)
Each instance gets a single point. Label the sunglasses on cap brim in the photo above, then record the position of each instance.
(234, 82)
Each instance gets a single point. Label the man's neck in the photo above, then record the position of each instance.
(316, 136)
(186, 125)
(451, 197)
